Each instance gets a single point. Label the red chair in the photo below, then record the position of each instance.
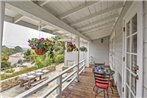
(101, 82)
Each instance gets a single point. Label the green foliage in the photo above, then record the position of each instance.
(83, 48)
(5, 65)
(9, 70)
(59, 58)
(25, 70)
(18, 49)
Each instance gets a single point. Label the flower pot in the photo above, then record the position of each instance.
(69, 49)
(40, 51)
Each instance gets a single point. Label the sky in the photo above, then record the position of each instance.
(16, 35)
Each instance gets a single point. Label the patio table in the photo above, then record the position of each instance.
(45, 71)
(39, 74)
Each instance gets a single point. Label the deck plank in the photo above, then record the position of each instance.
(84, 88)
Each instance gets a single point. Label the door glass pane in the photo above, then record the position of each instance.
(134, 24)
(128, 28)
(133, 83)
(127, 92)
(134, 63)
(128, 44)
(128, 60)
(134, 43)
(128, 77)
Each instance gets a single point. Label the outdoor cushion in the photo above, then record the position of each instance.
(102, 85)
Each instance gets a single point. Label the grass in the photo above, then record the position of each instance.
(9, 70)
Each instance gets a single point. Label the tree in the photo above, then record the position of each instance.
(18, 49)
(5, 65)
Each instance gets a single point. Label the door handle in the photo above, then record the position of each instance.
(135, 68)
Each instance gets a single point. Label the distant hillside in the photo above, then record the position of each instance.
(10, 51)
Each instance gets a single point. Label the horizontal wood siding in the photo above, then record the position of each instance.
(145, 49)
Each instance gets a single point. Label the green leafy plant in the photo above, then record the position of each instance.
(83, 48)
(9, 70)
(59, 58)
(41, 46)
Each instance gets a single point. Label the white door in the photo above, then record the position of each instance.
(133, 51)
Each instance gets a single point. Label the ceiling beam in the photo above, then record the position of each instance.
(30, 9)
(96, 14)
(97, 26)
(100, 36)
(77, 9)
(99, 31)
(96, 30)
(99, 21)
(43, 2)
(18, 18)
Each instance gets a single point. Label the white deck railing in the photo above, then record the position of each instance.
(76, 70)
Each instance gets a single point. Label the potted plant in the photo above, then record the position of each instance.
(83, 48)
(71, 47)
(40, 46)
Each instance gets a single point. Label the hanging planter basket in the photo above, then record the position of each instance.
(40, 46)
(69, 49)
(40, 51)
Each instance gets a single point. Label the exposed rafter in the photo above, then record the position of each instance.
(96, 30)
(43, 2)
(42, 15)
(96, 14)
(99, 21)
(18, 18)
(79, 8)
(100, 36)
(98, 26)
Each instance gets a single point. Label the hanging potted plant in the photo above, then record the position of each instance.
(40, 46)
(71, 47)
(83, 48)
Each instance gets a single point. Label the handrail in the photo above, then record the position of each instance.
(60, 81)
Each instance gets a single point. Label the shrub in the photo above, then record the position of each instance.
(5, 65)
(59, 58)
(9, 70)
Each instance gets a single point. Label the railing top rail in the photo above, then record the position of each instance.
(39, 86)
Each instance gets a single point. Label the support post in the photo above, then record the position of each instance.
(59, 89)
(78, 58)
(2, 16)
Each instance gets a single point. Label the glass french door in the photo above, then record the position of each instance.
(133, 44)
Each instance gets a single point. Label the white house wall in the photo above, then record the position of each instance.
(117, 37)
(145, 48)
(100, 51)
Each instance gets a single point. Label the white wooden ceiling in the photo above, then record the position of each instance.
(93, 19)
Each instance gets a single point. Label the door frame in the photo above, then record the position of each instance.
(137, 8)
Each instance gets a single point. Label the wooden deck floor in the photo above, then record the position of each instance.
(84, 88)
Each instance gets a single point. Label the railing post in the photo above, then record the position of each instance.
(59, 89)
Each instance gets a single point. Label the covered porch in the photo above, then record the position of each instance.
(114, 33)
